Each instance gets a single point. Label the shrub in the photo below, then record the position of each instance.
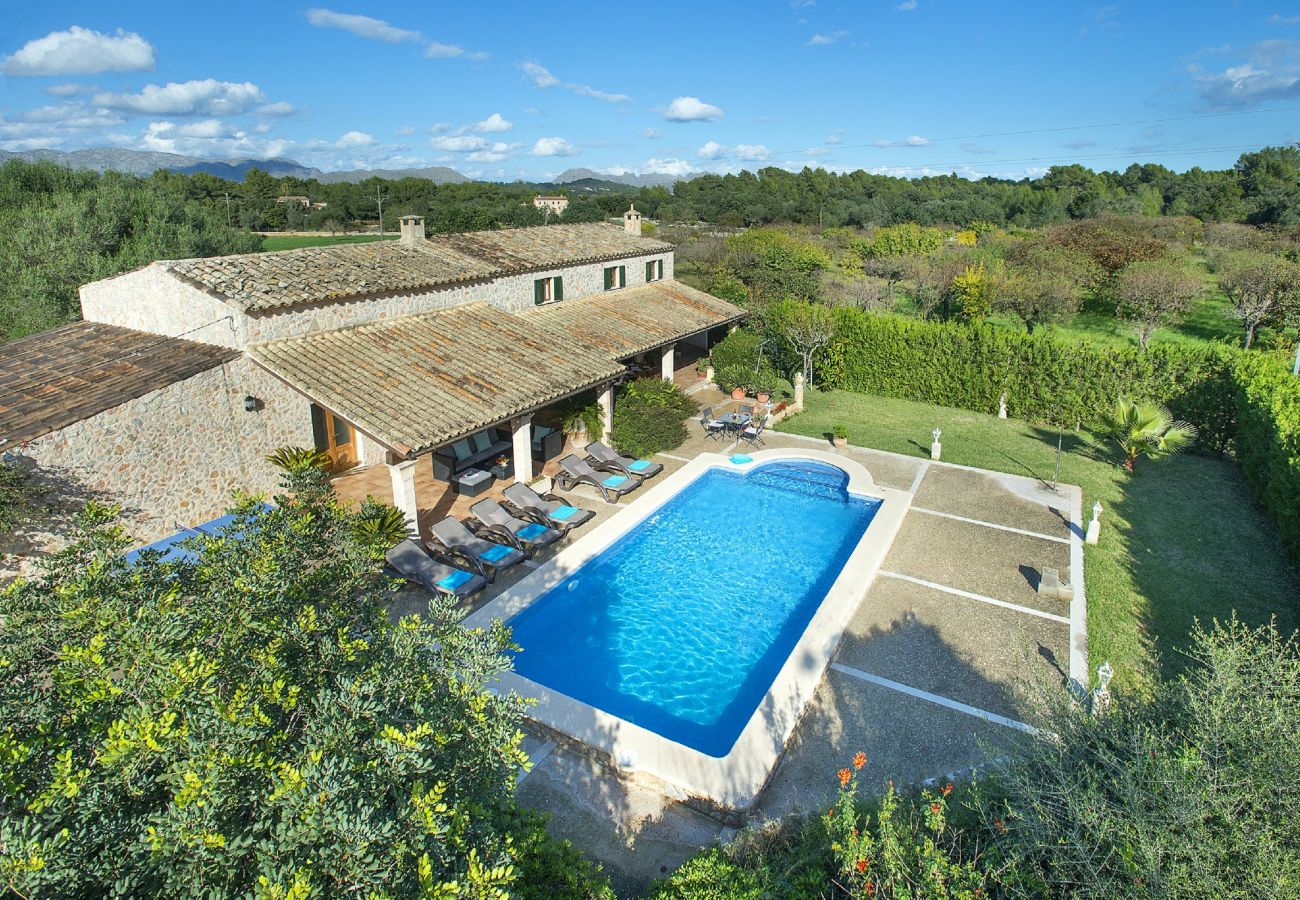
(249, 720)
(1267, 402)
(739, 348)
(731, 377)
(649, 417)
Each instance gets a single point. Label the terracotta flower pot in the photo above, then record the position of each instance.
(763, 396)
(841, 443)
(738, 394)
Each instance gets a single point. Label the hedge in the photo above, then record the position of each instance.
(1245, 403)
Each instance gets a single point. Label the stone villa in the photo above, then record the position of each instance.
(556, 204)
(422, 355)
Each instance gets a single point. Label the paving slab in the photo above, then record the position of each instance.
(637, 834)
(1002, 500)
(889, 469)
(986, 561)
(906, 739)
(985, 656)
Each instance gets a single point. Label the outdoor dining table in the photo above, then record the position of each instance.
(735, 421)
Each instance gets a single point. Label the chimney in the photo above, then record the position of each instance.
(412, 229)
(632, 220)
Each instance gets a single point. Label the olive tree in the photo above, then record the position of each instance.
(1153, 294)
(1041, 284)
(806, 326)
(248, 720)
(1263, 287)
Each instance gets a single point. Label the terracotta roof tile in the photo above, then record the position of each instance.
(49, 381)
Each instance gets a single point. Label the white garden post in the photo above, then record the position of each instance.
(1094, 527)
(936, 449)
(1002, 407)
(798, 390)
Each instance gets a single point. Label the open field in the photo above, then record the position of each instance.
(1181, 538)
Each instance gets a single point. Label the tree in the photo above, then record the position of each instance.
(1153, 294)
(934, 281)
(1263, 287)
(776, 265)
(807, 327)
(908, 239)
(1041, 283)
(975, 291)
(1146, 429)
(249, 720)
(892, 269)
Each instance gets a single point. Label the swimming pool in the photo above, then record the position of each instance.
(683, 637)
(682, 624)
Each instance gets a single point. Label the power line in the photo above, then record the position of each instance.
(1034, 159)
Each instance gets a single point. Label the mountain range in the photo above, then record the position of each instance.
(145, 162)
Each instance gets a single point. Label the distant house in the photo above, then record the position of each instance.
(301, 201)
(420, 353)
(555, 204)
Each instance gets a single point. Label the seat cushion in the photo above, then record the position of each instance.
(462, 450)
(495, 553)
(562, 513)
(640, 465)
(454, 580)
(482, 440)
(532, 531)
(614, 481)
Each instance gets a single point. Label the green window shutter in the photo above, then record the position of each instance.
(622, 276)
(609, 278)
(539, 291)
(559, 287)
(649, 271)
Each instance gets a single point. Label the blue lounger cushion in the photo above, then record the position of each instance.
(454, 580)
(497, 552)
(614, 481)
(531, 532)
(740, 459)
(640, 465)
(563, 513)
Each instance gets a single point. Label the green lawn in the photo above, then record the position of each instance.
(294, 241)
(1181, 538)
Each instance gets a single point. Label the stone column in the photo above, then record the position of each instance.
(798, 390)
(403, 475)
(606, 400)
(666, 361)
(521, 431)
(1094, 527)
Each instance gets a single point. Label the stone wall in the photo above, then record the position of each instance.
(175, 457)
(152, 300)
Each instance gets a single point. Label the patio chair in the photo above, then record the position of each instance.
(414, 564)
(746, 409)
(713, 429)
(752, 434)
(579, 471)
(604, 458)
(485, 557)
(527, 536)
(545, 510)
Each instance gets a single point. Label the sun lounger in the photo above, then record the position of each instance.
(579, 471)
(605, 458)
(413, 563)
(528, 536)
(549, 510)
(485, 557)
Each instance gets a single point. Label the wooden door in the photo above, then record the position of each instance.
(335, 438)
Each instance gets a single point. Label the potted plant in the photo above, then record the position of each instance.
(580, 419)
(735, 379)
(702, 367)
(764, 378)
(841, 435)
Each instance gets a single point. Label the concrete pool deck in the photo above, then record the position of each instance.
(937, 671)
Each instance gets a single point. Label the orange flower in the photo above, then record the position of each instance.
(871, 889)
(845, 775)
(859, 760)
(862, 865)
(934, 808)
(997, 823)
(947, 789)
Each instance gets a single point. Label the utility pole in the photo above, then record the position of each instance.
(381, 210)
(227, 193)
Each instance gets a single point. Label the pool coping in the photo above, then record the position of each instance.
(735, 780)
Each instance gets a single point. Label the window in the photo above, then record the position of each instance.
(615, 277)
(548, 290)
(654, 270)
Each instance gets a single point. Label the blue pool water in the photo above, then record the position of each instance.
(682, 624)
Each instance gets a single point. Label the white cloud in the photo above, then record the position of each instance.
(494, 152)
(207, 97)
(80, 51)
(691, 109)
(914, 140)
(823, 40)
(752, 152)
(458, 143)
(68, 90)
(678, 167)
(436, 50)
(404, 131)
(553, 146)
(906, 6)
(277, 110)
(353, 139)
(543, 78)
(361, 26)
(711, 150)
(1278, 19)
(493, 124)
(835, 137)
(651, 133)
(1271, 71)
(208, 128)
(800, 4)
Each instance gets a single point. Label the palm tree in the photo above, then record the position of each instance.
(1146, 429)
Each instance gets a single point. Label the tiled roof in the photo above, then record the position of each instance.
(421, 381)
(49, 381)
(630, 321)
(261, 281)
(551, 246)
(266, 281)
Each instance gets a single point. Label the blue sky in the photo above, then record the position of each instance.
(507, 90)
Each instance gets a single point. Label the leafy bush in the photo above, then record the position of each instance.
(1267, 403)
(775, 264)
(248, 721)
(550, 869)
(578, 414)
(739, 348)
(731, 377)
(649, 417)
